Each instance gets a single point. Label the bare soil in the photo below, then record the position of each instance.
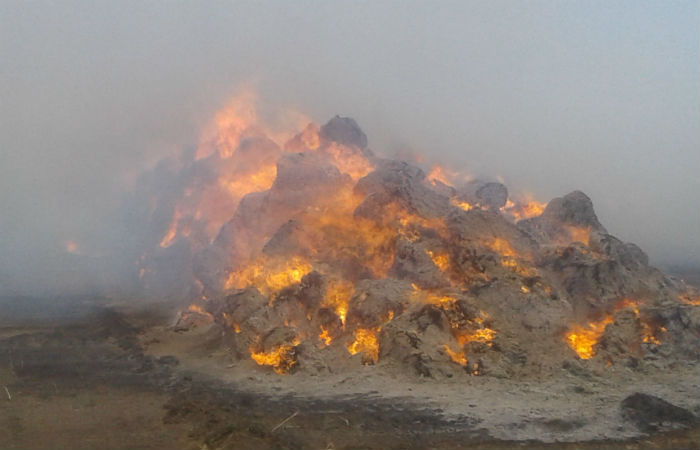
(127, 380)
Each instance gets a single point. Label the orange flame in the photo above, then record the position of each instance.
(458, 357)
(281, 358)
(484, 335)
(441, 260)
(366, 342)
(269, 276)
(582, 339)
(338, 296)
(461, 204)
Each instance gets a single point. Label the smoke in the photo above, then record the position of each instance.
(102, 109)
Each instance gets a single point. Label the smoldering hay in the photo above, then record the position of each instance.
(314, 254)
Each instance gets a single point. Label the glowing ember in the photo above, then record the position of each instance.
(366, 342)
(583, 339)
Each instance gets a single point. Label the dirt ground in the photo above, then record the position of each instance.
(127, 380)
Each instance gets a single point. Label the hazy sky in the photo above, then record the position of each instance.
(552, 96)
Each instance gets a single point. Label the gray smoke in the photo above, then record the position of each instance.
(97, 100)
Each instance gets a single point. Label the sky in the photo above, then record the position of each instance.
(550, 96)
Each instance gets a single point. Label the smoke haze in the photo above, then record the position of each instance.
(551, 97)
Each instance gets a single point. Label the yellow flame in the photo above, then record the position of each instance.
(230, 123)
(461, 204)
(337, 297)
(366, 342)
(582, 339)
(441, 260)
(281, 358)
(484, 335)
(269, 276)
(325, 337)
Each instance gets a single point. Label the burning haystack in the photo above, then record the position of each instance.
(317, 255)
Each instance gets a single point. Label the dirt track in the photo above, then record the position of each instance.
(92, 385)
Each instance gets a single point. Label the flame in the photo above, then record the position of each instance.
(269, 276)
(579, 234)
(441, 260)
(458, 357)
(432, 297)
(501, 246)
(357, 166)
(230, 123)
(441, 174)
(461, 204)
(524, 208)
(650, 333)
(366, 342)
(582, 339)
(689, 299)
(246, 183)
(338, 296)
(170, 234)
(524, 289)
(325, 337)
(484, 335)
(280, 358)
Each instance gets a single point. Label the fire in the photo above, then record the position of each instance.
(338, 296)
(524, 208)
(441, 174)
(579, 234)
(582, 339)
(458, 357)
(501, 246)
(650, 332)
(461, 204)
(269, 276)
(689, 299)
(325, 337)
(170, 234)
(366, 342)
(434, 298)
(281, 358)
(441, 260)
(246, 183)
(229, 126)
(484, 335)
(352, 164)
